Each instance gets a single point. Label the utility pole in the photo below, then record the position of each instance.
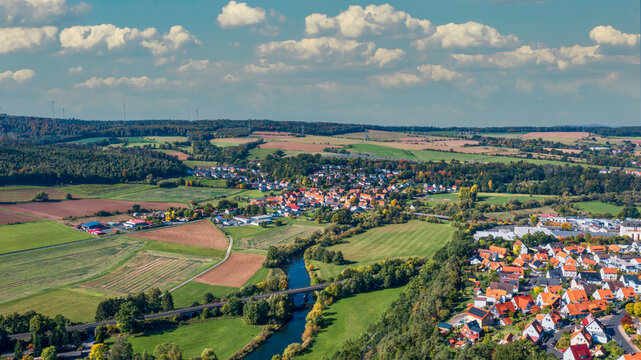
(196, 111)
(63, 112)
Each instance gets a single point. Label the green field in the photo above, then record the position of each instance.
(37, 234)
(259, 154)
(26, 274)
(598, 207)
(415, 238)
(259, 238)
(167, 247)
(225, 336)
(182, 194)
(348, 318)
(77, 305)
(196, 163)
(500, 198)
(106, 191)
(433, 155)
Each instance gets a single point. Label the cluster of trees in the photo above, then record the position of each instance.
(140, 304)
(27, 164)
(276, 309)
(45, 332)
(206, 151)
(320, 253)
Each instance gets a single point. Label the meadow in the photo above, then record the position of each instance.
(75, 304)
(225, 336)
(347, 318)
(31, 235)
(415, 238)
(259, 238)
(598, 207)
(182, 194)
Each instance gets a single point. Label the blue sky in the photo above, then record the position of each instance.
(436, 62)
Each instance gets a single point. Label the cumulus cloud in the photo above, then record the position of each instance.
(264, 68)
(383, 57)
(139, 83)
(89, 37)
(607, 35)
(39, 11)
(77, 69)
(426, 73)
(194, 65)
(18, 76)
(236, 14)
(317, 49)
(357, 21)
(176, 38)
(22, 38)
(469, 34)
(562, 57)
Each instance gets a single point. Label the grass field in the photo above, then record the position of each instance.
(181, 194)
(500, 198)
(37, 234)
(225, 336)
(505, 215)
(259, 154)
(106, 191)
(77, 305)
(13, 194)
(598, 207)
(258, 238)
(26, 274)
(348, 318)
(165, 247)
(196, 163)
(415, 238)
(147, 270)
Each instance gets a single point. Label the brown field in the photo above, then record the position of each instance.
(235, 140)
(22, 195)
(144, 271)
(180, 155)
(10, 217)
(292, 146)
(235, 272)
(84, 207)
(557, 135)
(566, 151)
(270, 134)
(202, 233)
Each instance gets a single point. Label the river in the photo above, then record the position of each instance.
(294, 328)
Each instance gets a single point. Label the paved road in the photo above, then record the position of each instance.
(442, 217)
(615, 330)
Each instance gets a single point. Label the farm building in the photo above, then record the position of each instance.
(91, 225)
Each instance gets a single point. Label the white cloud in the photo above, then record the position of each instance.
(383, 57)
(236, 14)
(176, 38)
(561, 57)
(328, 86)
(194, 65)
(77, 69)
(279, 67)
(426, 73)
(39, 11)
(357, 21)
(18, 76)
(317, 49)
(607, 35)
(22, 38)
(140, 83)
(469, 34)
(90, 37)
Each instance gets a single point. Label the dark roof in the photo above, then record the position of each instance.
(554, 274)
(474, 326)
(480, 313)
(444, 325)
(590, 276)
(541, 281)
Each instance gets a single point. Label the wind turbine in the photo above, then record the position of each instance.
(124, 111)
(52, 110)
(196, 110)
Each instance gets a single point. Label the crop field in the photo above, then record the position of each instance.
(180, 155)
(12, 217)
(83, 207)
(225, 336)
(286, 145)
(181, 249)
(235, 272)
(349, 317)
(202, 233)
(180, 194)
(147, 270)
(31, 235)
(259, 154)
(75, 304)
(11, 195)
(30, 273)
(105, 191)
(258, 238)
(166, 139)
(415, 238)
(501, 198)
(508, 215)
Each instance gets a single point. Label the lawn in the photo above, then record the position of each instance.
(348, 318)
(196, 163)
(225, 336)
(415, 238)
(37, 234)
(77, 305)
(182, 194)
(501, 198)
(259, 154)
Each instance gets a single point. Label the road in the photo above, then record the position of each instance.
(615, 330)
(442, 217)
(189, 310)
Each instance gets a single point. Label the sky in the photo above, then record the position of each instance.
(412, 63)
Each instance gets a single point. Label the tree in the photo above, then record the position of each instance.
(256, 312)
(167, 302)
(98, 352)
(49, 353)
(208, 354)
(637, 308)
(629, 307)
(99, 334)
(629, 212)
(121, 349)
(292, 350)
(168, 351)
(127, 317)
(342, 216)
(233, 307)
(41, 196)
(68, 196)
(534, 220)
(18, 349)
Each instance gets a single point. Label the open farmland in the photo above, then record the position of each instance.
(225, 336)
(202, 233)
(83, 207)
(180, 194)
(180, 155)
(26, 274)
(234, 272)
(75, 304)
(31, 235)
(12, 217)
(286, 145)
(258, 238)
(147, 270)
(11, 194)
(105, 191)
(415, 238)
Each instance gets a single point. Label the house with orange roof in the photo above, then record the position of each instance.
(518, 262)
(542, 257)
(575, 310)
(636, 356)
(556, 289)
(574, 296)
(497, 294)
(608, 274)
(499, 250)
(554, 262)
(526, 257)
(523, 303)
(604, 294)
(503, 310)
(581, 337)
(597, 249)
(562, 256)
(569, 271)
(514, 270)
(496, 266)
(571, 261)
(533, 331)
(614, 248)
(545, 299)
(624, 293)
(482, 317)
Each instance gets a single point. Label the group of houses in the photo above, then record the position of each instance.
(554, 288)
